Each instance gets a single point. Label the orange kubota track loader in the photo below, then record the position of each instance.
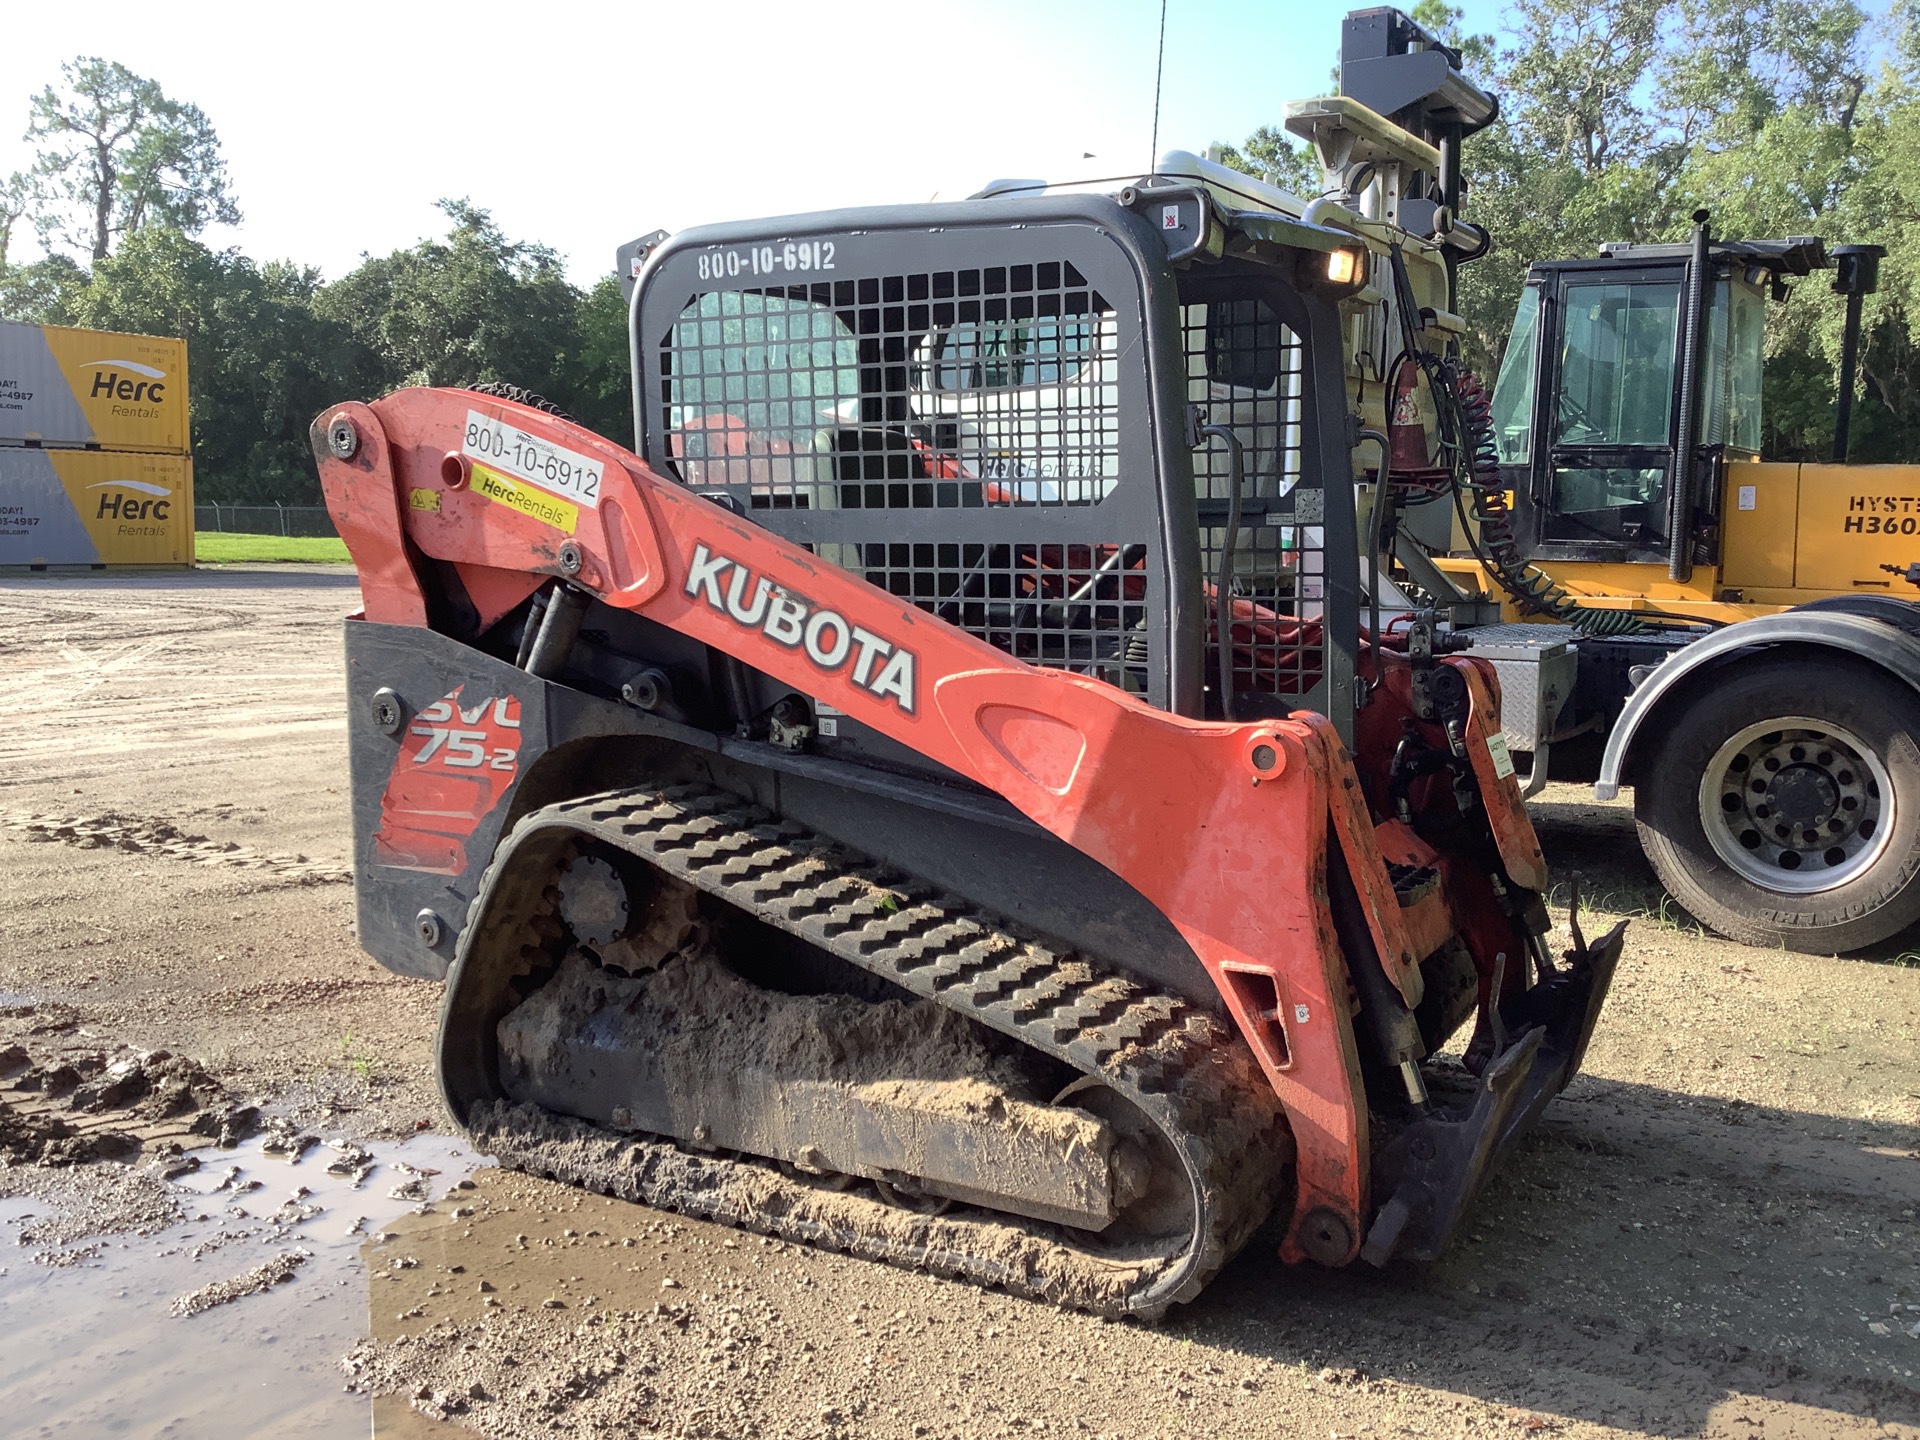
(857, 817)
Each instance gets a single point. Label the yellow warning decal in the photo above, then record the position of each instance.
(541, 506)
(424, 500)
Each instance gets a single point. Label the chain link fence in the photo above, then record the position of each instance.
(273, 519)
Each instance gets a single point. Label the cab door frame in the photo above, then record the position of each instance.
(1535, 501)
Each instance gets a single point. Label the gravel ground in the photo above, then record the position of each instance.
(1712, 1233)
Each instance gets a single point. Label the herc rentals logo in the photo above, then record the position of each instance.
(117, 505)
(829, 639)
(141, 385)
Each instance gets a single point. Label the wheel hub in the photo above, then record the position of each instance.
(1804, 796)
(1796, 805)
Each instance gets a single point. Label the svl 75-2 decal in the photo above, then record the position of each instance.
(456, 762)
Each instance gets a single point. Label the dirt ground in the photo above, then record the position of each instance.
(1715, 1232)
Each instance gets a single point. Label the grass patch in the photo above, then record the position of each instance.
(219, 548)
(359, 1059)
(1630, 902)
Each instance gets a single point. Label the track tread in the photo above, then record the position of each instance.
(1193, 1079)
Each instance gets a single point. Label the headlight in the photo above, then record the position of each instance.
(1345, 267)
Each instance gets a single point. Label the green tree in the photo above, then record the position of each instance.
(1876, 205)
(261, 362)
(477, 306)
(474, 306)
(601, 378)
(1276, 157)
(116, 154)
(41, 292)
(270, 346)
(1620, 117)
(16, 200)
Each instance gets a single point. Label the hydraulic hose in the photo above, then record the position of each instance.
(1463, 414)
(1497, 547)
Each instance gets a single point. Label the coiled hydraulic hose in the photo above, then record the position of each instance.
(1463, 414)
(1497, 548)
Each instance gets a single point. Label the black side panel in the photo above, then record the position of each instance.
(436, 763)
(425, 828)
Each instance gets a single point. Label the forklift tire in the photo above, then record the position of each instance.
(1782, 805)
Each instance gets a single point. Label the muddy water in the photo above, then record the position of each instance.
(94, 1347)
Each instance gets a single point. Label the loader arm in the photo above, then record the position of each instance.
(1222, 826)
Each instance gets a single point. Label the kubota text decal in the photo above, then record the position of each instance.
(830, 640)
(455, 763)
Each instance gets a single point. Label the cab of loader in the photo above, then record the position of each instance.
(1630, 382)
(1064, 423)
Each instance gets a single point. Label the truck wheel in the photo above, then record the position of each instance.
(1782, 806)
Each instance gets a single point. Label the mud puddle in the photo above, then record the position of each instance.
(223, 1308)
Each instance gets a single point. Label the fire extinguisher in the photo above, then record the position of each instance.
(1407, 449)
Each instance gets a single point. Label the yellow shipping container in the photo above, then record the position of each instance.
(92, 389)
(94, 507)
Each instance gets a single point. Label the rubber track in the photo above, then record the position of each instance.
(1168, 1057)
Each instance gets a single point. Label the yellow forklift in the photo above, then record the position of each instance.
(1736, 629)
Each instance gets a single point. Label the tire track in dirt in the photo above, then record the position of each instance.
(148, 835)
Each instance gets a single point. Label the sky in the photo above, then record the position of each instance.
(582, 125)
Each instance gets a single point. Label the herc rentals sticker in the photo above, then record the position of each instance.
(524, 498)
(92, 388)
(525, 472)
(832, 642)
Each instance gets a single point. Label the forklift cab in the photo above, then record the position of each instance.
(1592, 439)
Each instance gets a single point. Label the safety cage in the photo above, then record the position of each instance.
(1025, 418)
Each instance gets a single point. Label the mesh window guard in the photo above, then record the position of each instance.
(949, 389)
(1245, 375)
(963, 437)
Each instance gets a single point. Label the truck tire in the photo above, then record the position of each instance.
(1782, 805)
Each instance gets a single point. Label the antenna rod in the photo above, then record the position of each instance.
(1159, 69)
